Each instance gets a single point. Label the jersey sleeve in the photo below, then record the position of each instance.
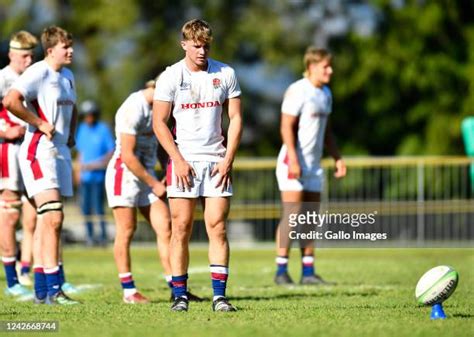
(292, 101)
(166, 86)
(233, 88)
(128, 118)
(28, 83)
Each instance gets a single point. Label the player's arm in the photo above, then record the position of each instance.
(128, 143)
(234, 135)
(182, 170)
(72, 128)
(288, 131)
(13, 102)
(333, 150)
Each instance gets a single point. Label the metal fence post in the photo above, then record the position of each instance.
(420, 209)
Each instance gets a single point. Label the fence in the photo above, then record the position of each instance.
(418, 199)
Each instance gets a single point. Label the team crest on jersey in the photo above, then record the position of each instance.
(216, 83)
(185, 86)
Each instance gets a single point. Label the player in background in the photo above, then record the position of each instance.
(195, 91)
(12, 130)
(131, 183)
(305, 130)
(95, 146)
(48, 89)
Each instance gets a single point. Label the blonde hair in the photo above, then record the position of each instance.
(152, 83)
(53, 35)
(23, 40)
(197, 30)
(314, 55)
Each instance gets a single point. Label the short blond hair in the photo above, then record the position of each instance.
(197, 30)
(23, 40)
(52, 35)
(314, 55)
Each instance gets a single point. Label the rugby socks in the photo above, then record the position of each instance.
(62, 276)
(168, 279)
(52, 280)
(219, 275)
(9, 263)
(41, 288)
(25, 267)
(128, 285)
(308, 265)
(282, 265)
(180, 285)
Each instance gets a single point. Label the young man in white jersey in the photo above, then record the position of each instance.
(131, 183)
(194, 92)
(12, 131)
(48, 89)
(305, 130)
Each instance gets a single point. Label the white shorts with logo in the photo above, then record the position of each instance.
(203, 185)
(10, 175)
(311, 181)
(45, 169)
(124, 189)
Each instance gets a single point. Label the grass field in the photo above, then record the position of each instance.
(374, 297)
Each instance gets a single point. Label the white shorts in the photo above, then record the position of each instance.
(311, 181)
(10, 175)
(203, 185)
(46, 169)
(124, 189)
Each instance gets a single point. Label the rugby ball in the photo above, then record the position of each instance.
(436, 285)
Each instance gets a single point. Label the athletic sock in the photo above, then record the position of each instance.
(41, 288)
(180, 285)
(52, 280)
(168, 279)
(219, 275)
(128, 285)
(308, 265)
(25, 267)
(282, 265)
(9, 263)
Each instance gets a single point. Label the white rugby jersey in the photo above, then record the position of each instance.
(312, 105)
(134, 117)
(197, 99)
(51, 95)
(7, 77)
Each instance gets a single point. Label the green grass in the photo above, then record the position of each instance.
(374, 297)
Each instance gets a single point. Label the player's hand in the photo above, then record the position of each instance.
(159, 189)
(340, 169)
(294, 170)
(15, 132)
(223, 168)
(47, 129)
(184, 173)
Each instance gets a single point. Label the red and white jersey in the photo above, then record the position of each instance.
(312, 106)
(134, 117)
(51, 95)
(7, 119)
(197, 99)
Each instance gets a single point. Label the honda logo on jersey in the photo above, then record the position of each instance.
(200, 105)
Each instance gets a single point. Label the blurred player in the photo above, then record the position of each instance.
(12, 131)
(131, 184)
(305, 130)
(194, 92)
(48, 89)
(95, 146)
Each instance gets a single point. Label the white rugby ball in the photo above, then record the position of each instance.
(436, 285)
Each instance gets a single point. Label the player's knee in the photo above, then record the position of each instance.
(11, 206)
(52, 213)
